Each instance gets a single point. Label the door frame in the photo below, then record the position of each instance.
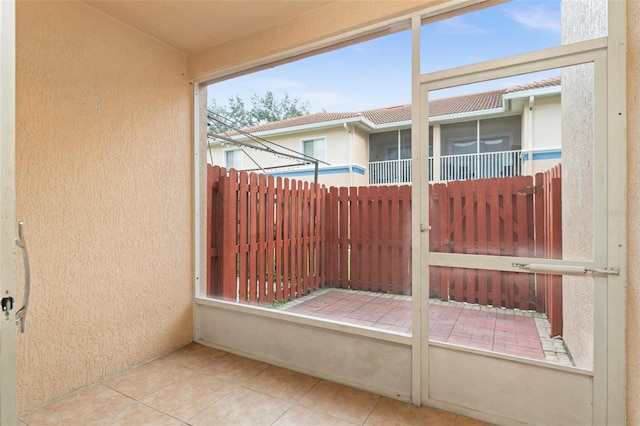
(606, 383)
(8, 399)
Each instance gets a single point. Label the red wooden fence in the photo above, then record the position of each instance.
(489, 217)
(276, 240)
(369, 236)
(266, 239)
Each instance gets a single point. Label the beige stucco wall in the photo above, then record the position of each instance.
(579, 23)
(338, 155)
(104, 186)
(336, 139)
(633, 213)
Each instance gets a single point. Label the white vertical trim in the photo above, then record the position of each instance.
(420, 327)
(600, 303)
(8, 410)
(197, 202)
(616, 374)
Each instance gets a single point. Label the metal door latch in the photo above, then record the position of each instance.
(7, 305)
(566, 269)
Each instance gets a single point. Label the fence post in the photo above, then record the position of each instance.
(227, 242)
(555, 240)
(213, 174)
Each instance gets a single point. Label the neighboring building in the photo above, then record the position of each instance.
(506, 132)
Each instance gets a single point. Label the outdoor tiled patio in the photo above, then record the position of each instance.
(507, 331)
(198, 385)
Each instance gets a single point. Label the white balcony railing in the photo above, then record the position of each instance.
(481, 166)
(451, 167)
(390, 172)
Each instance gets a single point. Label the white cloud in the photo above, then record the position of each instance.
(458, 25)
(538, 17)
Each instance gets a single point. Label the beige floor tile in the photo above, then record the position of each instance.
(193, 356)
(83, 406)
(188, 396)
(135, 413)
(234, 368)
(467, 421)
(146, 379)
(296, 416)
(282, 383)
(349, 404)
(242, 407)
(391, 412)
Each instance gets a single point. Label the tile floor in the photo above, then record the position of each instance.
(508, 331)
(198, 385)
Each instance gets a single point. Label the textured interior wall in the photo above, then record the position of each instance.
(103, 184)
(319, 24)
(579, 23)
(633, 214)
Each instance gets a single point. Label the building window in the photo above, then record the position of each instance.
(233, 159)
(315, 148)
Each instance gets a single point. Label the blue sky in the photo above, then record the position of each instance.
(377, 73)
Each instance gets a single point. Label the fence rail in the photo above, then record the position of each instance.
(274, 240)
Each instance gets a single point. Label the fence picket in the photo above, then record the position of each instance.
(507, 216)
(228, 235)
(243, 231)
(278, 243)
(343, 238)
(405, 239)
(456, 241)
(469, 243)
(394, 241)
(482, 224)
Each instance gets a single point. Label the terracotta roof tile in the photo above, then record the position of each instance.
(388, 115)
(549, 82)
(302, 120)
(437, 108)
(466, 103)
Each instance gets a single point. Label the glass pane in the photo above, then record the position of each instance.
(307, 147)
(508, 29)
(513, 168)
(542, 317)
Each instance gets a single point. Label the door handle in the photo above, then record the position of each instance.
(22, 312)
(566, 269)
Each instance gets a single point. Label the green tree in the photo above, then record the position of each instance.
(264, 109)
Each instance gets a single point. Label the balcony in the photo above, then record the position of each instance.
(450, 167)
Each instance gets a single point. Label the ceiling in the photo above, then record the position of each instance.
(192, 26)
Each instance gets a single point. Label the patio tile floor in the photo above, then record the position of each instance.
(195, 392)
(507, 331)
